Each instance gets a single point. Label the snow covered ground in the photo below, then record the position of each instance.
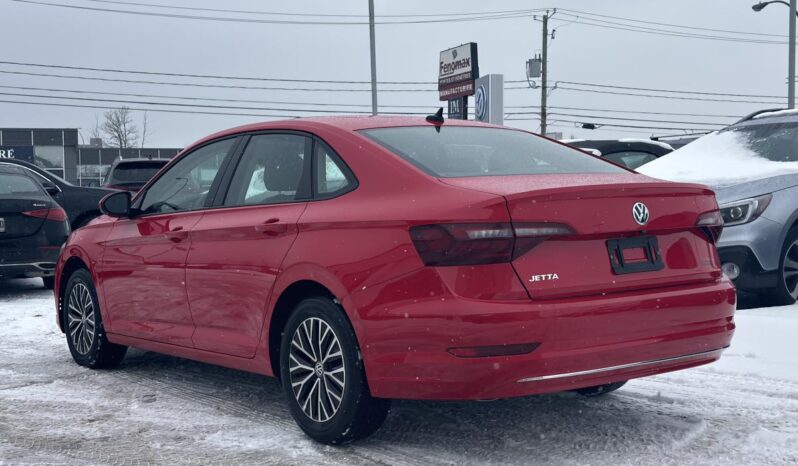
(742, 410)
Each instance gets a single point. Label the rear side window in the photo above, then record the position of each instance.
(12, 184)
(631, 159)
(139, 172)
(461, 151)
(270, 171)
(332, 176)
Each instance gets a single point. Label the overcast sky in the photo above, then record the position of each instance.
(52, 35)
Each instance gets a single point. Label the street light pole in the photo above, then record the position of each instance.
(791, 59)
(374, 59)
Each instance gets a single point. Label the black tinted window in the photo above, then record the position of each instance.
(12, 184)
(478, 151)
(270, 171)
(139, 172)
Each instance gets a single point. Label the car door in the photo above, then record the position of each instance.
(238, 247)
(143, 264)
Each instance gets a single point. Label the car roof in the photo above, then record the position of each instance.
(341, 122)
(18, 162)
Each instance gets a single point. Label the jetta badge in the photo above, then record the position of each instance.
(640, 213)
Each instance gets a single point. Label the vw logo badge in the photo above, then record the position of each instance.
(480, 104)
(640, 213)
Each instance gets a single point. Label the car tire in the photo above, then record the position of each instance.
(323, 375)
(48, 282)
(600, 390)
(786, 290)
(83, 325)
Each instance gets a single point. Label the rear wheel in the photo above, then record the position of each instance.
(323, 377)
(49, 282)
(786, 290)
(600, 390)
(83, 325)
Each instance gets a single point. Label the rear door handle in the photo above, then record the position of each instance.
(271, 227)
(176, 235)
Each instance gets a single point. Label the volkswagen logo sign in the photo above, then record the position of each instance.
(640, 213)
(481, 104)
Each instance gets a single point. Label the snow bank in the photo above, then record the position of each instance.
(717, 159)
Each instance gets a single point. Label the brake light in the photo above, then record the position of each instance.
(56, 214)
(712, 225)
(480, 243)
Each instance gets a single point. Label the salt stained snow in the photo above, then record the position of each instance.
(717, 159)
(158, 409)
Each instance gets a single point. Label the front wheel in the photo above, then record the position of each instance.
(786, 290)
(83, 325)
(323, 377)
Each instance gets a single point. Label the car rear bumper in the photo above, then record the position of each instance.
(27, 270)
(582, 342)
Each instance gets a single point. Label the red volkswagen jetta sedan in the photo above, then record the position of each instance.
(365, 259)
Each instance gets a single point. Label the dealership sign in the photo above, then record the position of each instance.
(17, 152)
(457, 70)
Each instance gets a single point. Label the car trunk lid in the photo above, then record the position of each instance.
(607, 250)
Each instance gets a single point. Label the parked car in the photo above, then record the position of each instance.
(80, 203)
(753, 167)
(631, 153)
(367, 259)
(32, 227)
(132, 174)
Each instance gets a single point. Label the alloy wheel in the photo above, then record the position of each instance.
(81, 320)
(316, 368)
(790, 269)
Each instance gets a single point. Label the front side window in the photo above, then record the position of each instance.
(185, 186)
(271, 171)
(461, 151)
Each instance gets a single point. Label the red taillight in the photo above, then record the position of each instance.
(712, 224)
(480, 243)
(56, 214)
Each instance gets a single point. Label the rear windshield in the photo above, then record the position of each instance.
(12, 184)
(773, 141)
(461, 151)
(135, 172)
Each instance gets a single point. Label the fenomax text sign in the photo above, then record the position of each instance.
(457, 70)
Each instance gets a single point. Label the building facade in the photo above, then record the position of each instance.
(58, 151)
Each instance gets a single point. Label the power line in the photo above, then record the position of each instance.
(324, 15)
(216, 86)
(613, 125)
(697, 28)
(663, 32)
(671, 97)
(589, 117)
(670, 91)
(275, 21)
(206, 76)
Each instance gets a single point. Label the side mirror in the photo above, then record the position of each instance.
(116, 204)
(51, 188)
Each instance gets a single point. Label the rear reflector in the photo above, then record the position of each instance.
(493, 351)
(56, 214)
(712, 224)
(480, 243)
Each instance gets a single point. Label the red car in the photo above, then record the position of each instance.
(373, 258)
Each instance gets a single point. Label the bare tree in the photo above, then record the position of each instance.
(143, 130)
(119, 128)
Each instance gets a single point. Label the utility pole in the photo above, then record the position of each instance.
(374, 59)
(544, 70)
(791, 86)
